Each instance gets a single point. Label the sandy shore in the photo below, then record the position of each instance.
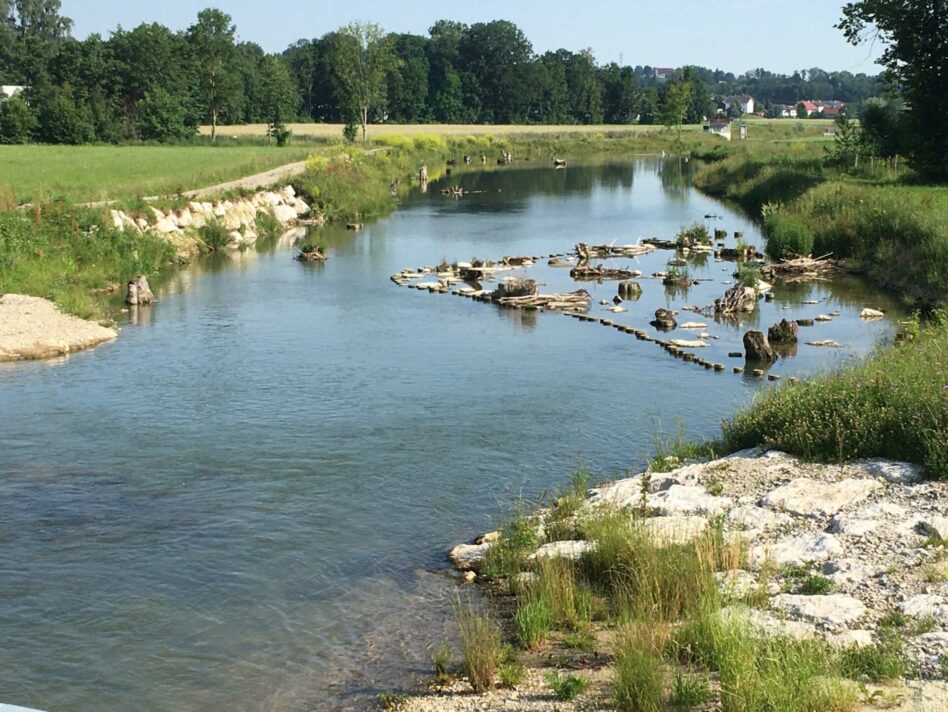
(34, 328)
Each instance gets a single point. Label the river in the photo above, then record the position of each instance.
(243, 503)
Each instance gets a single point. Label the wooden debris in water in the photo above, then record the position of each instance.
(588, 252)
(736, 299)
(802, 268)
(570, 301)
(311, 253)
(598, 272)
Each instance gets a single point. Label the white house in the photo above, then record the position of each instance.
(743, 102)
(8, 91)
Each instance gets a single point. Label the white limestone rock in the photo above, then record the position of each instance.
(688, 499)
(810, 498)
(834, 610)
(898, 472)
(753, 517)
(798, 549)
(467, 556)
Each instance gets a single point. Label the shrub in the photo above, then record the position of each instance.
(441, 659)
(17, 121)
(510, 674)
(566, 687)
(350, 132)
(697, 234)
(480, 645)
(268, 228)
(517, 539)
(786, 236)
(391, 701)
(214, 235)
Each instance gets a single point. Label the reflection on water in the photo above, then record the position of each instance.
(238, 505)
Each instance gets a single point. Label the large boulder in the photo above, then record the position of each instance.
(467, 556)
(664, 320)
(563, 550)
(688, 499)
(798, 549)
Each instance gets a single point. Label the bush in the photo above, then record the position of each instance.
(17, 121)
(214, 235)
(689, 691)
(350, 132)
(787, 236)
(62, 120)
(510, 674)
(566, 687)
(480, 645)
(163, 117)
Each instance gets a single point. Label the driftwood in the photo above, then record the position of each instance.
(518, 261)
(660, 243)
(800, 269)
(311, 253)
(515, 287)
(588, 273)
(587, 252)
(580, 299)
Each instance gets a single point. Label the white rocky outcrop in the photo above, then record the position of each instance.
(833, 610)
(571, 550)
(238, 216)
(810, 498)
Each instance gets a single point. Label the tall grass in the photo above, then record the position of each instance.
(891, 404)
(638, 669)
(480, 645)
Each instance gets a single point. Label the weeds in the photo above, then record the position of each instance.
(689, 691)
(637, 680)
(214, 235)
(441, 659)
(566, 687)
(875, 663)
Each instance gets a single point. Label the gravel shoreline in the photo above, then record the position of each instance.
(34, 328)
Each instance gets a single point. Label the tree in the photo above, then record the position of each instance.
(407, 80)
(361, 58)
(916, 57)
(278, 97)
(212, 44)
(621, 97)
(676, 103)
(881, 124)
(494, 54)
(848, 143)
(61, 120)
(17, 121)
(35, 17)
(162, 117)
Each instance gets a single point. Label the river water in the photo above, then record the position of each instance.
(243, 503)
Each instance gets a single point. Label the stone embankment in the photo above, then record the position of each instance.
(34, 328)
(872, 533)
(181, 226)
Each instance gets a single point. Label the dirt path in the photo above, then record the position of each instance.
(259, 180)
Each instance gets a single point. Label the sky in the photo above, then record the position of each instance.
(733, 35)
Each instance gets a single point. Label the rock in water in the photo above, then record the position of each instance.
(664, 320)
(756, 347)
(630, 290)
(783, 333)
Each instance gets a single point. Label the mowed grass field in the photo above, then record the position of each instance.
(104, 172)
(91, 173)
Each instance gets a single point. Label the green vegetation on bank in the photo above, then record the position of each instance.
(896, 233)
(892, 405)
(69, 255)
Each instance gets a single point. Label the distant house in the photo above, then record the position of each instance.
(785, 111)
(662, 72)
(8, 91)
(742, 102)
(811, 108)
(831, 109)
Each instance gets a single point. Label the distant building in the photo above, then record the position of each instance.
(662, 72)
(8, 91)
(810, 108)
(827, 109)
(742, 102)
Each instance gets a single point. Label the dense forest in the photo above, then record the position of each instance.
(154, 84)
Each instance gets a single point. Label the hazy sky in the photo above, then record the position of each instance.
(734, 35)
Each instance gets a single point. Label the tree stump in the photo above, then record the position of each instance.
(756, 347)
(783, 333)
(139, 292)
(664, 320)
(630, 290)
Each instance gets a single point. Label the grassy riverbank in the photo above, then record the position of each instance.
(896, 233)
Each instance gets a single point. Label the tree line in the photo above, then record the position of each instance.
(151, 83)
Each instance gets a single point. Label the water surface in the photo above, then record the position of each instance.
(243, 503)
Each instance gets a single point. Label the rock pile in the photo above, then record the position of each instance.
(239, 216)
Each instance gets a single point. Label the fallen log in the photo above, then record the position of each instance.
(587, 252)
(801, 268)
